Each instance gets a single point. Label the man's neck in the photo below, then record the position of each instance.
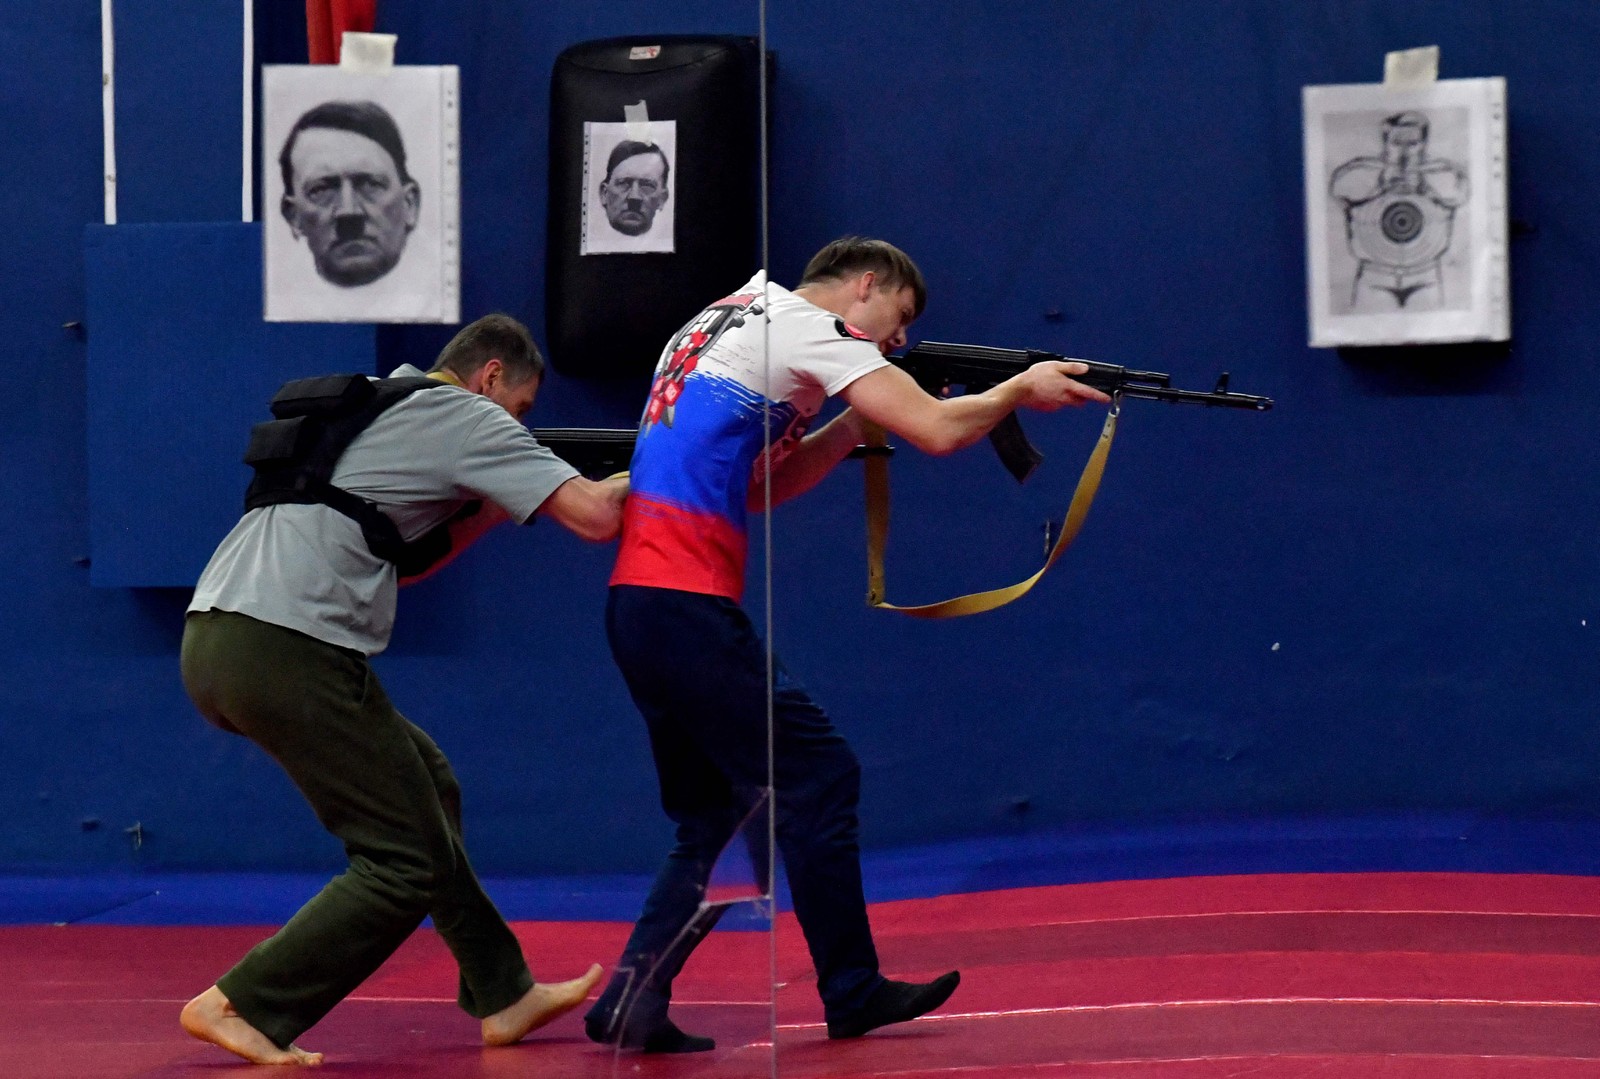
(832, 297)
(446, 375)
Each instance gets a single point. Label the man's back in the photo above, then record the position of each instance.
(308, 568)
(752, 368)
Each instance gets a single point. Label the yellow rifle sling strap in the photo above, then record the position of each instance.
(877, 476)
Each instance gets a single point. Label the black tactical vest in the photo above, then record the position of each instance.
(295, 455)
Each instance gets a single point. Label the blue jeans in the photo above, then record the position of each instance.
(698, 673)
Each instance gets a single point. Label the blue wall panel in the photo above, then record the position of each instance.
(180, 109)
(1378, 602)
(180, 365)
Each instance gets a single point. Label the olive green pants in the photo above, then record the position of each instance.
(380, 785)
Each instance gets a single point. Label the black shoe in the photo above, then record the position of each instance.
(895, 1002)
(662, 1037)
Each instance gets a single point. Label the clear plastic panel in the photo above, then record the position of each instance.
(706, 998)
(725, 994)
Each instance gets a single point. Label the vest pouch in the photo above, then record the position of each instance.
(326, 395)
(279, 441)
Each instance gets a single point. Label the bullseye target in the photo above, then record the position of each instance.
(1399, 233)
(1401, 222)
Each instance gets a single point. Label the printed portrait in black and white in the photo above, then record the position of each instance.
(353, 184)
(346, 192)
(628, 176)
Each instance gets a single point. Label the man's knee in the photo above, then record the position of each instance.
(825, 796)
(415, 876)
(703, 833)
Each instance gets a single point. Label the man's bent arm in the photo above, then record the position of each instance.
(891, 398)
(590, 509)
(813, 458)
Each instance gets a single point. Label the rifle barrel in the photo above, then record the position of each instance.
(1220, 399)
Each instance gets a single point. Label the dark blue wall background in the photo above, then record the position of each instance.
(1377, 602)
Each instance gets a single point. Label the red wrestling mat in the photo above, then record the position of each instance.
(1376, 976)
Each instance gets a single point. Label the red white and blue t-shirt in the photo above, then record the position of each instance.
(703, 431)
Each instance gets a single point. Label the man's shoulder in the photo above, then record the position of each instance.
(438, 413)
(800, 327)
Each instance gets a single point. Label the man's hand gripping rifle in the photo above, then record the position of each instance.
(937, 366)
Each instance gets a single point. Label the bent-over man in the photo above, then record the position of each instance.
(276, 646)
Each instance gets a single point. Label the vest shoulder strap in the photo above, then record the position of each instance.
(295, 454)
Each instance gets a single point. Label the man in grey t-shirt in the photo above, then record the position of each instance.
(276, 647)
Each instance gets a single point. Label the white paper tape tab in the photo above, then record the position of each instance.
(366, 54)
(637, 117)
(1411, 68)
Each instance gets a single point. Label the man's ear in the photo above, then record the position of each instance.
(286, 207)
(413, 200)
(478, 382)
(864, 285)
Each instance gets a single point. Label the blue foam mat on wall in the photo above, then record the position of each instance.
(180, 365)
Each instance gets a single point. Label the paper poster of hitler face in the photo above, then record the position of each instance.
(359, 185)
(1405, 214)
(627, 184)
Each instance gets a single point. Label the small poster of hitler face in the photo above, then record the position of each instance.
(359, 183)
(1405, 213)
(627, 179)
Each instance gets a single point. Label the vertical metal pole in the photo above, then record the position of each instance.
(108, 110)
(772, 792)
(247, 193)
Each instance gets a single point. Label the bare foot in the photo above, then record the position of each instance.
(537, 1007)
(211, 1018)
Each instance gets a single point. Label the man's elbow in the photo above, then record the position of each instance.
(936, 442)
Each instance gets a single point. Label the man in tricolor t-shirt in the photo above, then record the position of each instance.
(735, 391)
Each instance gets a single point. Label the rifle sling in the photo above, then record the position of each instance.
(877, 481)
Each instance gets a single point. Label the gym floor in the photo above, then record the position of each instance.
(1397, 975)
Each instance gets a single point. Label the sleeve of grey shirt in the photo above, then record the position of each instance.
(501, 460)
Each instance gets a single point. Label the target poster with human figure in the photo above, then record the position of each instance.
(1406, 213)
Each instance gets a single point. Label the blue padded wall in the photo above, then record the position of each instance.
(1362, 624)
(180, 364)
(1377, 598)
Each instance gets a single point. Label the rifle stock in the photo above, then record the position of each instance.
(596, 452)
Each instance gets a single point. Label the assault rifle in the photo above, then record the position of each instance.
(596, 452)
(937, 366)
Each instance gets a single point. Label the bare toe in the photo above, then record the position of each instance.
(537, 1007)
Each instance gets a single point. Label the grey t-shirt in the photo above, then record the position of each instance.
(308, 567)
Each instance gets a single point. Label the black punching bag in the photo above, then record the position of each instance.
(655, 193)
